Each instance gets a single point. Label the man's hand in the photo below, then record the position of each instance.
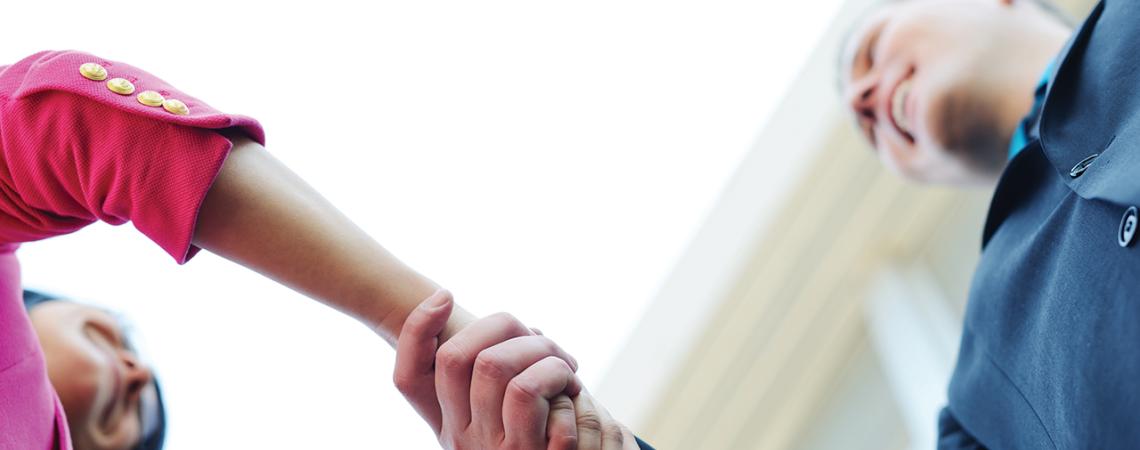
(496, 384)
(597, 430)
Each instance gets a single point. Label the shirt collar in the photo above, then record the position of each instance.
(1026, 129)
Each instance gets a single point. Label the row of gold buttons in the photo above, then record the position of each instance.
(122, 86)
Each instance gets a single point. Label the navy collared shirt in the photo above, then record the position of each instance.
(1049, 356)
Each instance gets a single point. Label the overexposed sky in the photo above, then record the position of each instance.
(550, 159)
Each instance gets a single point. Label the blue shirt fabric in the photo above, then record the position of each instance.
(1049, 356)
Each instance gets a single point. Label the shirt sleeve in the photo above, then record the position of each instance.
(74, 151)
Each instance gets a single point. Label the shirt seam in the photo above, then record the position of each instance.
(993, 362)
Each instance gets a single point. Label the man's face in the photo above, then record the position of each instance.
(924, 82)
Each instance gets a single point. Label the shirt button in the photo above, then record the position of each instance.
(1080, 168)
(150, 98)
(176, 107)
(121, 86)
(92, 71)
(1127, 231)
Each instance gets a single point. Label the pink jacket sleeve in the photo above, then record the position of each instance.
(73, 152)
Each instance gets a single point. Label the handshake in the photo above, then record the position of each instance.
(497, 384)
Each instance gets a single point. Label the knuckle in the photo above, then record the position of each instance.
(547, 345)
(613, 432)
(405, 383)
(558, 364)
(561, 403)
(490, 365)
(522, 390)
(589, 420)
(510, 322)
(450, 358)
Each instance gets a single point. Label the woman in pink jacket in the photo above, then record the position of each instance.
(85, 139)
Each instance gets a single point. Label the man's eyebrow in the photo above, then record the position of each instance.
(868, 30)
(868, 41)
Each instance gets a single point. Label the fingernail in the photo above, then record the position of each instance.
(439, 300)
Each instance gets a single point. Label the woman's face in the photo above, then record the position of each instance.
(96, 373)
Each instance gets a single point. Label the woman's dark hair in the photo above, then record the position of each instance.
(33, 298)
(154, 423)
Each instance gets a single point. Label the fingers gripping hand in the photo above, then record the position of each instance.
(495, 384)
(597, 430)
(495, 373)
(414, 375)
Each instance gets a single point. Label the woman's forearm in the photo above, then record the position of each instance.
(263, 216)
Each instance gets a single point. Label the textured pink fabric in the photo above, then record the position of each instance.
(73, 152)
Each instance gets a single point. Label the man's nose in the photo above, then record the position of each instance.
(862, 98)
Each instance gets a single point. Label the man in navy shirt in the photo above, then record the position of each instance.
(1002, 92)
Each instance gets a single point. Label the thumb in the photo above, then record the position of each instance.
(415, 355)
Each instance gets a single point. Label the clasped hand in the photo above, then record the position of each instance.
(498, 385)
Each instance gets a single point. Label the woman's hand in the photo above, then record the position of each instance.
(495, 384)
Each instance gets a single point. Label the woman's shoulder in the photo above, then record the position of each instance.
(85, 77)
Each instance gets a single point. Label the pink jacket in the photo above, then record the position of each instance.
(73, 151)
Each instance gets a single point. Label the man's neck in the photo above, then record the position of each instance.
(1036, 51)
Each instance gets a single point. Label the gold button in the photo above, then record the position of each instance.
(175, 107)
(151, 98)
(92, 71)
(120, 86)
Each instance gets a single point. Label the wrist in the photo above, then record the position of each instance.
(391, 323)
(459, 320)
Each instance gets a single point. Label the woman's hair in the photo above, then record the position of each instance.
(153, 416)
(33, 298)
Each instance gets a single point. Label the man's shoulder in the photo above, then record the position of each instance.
(1090, 124)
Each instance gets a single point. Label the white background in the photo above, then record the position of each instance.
(550, 159)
